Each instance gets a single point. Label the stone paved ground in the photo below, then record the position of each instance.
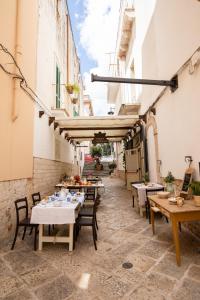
(86, 274)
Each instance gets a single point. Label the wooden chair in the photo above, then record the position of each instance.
(135, 182)
(36, 198)
(89, 222)
(147, 204)
(21, 205)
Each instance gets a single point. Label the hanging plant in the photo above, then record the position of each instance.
(70, 88)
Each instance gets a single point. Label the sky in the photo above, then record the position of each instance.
(94, 25)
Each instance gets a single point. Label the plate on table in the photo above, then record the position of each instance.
(172, 200)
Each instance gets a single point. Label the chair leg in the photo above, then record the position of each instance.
(35, 239)
(133, 201)
(96, 223)
(31, 231)
(24, 233)
(167, 219)
(16, 233)
(179, 225)
(94, 236)
(146, 209)
(49, 229)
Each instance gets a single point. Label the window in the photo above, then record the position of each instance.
(57, 87)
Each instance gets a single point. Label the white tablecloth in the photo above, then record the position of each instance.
(51, 214)
(141, 189)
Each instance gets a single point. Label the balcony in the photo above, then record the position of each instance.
(127, 13)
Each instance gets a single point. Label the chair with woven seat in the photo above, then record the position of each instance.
(88, 222)
(147, 203)
(21, 206)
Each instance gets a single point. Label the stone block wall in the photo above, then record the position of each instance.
(46, 174)
(9, 192)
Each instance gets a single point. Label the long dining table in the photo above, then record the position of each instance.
(81, 187)
(57, 212)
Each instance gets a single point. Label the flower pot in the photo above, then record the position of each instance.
(70, 89)
(196, 200)
(170, 187)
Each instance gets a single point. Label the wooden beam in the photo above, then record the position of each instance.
(41, 113)
(96, 128)
(55, 125)
(91, 137)
(61, 130)
(51, 120)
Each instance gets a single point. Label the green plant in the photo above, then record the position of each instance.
(76, 88)
(169, 178)
(96, 151)
(146, 177)
(112, 166)
(195, 187)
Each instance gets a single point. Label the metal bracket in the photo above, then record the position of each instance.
(173, 83)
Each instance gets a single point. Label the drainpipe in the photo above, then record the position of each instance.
(17, 53)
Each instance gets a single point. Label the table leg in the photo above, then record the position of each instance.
(176, 240)
(40, 236)
(71, 235)
(152, 220)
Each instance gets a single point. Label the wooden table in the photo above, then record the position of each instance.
(188, 212)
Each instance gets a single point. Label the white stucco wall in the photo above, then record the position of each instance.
(167, 34)
(47, 142)
(169, 40)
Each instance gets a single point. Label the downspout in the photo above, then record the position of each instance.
(144, 139)
(17, 53)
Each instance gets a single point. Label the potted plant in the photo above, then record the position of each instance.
(195, 187)
(70, 88)
(146, 178)
(112, 166)
(169, 180)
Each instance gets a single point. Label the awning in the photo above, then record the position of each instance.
(84, 128)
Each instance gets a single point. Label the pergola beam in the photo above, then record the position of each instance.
(95, 128)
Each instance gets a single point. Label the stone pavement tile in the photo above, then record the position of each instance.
(160, 283)
(9, 284)
(109, 286)
(154, 249)
(58, 289)
(141, 262)
(3, 267)
(108, 262)
(137, 227)
(125, 248)
(20, 295)
(145, 293)
(132, 275)
(189, 290)
(194, 272)
(39, 275)
(22, 261)
(169, 267)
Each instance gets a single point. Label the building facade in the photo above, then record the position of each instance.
(35, 154)
(164, 42)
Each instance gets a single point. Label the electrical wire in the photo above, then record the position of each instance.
(23, 82)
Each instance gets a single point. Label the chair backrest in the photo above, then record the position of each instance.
(21, 205)
(154, 191)
(90, 193)
(135, 182)
(36, 198)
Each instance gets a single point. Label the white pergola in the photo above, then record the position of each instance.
(83, 128)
